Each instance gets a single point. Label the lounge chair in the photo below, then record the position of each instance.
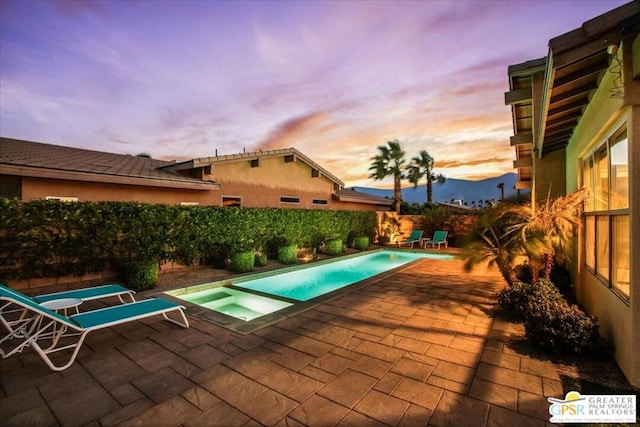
(87, 294)
(439, 238)
(74, 298)
(47, 331)
(415, 237)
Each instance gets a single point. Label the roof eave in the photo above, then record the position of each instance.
(48, 173)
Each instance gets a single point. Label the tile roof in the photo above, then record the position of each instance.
(230, 158)
(42, 156)
(349, 195)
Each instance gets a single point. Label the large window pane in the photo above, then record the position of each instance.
(590, 242)
(602, 248)
(601, 190)
(620, 172)
(620, 279)
(587, 177)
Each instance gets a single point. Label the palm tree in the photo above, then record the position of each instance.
(389, 162)
(422, 166)
(501, 187)
(543, 233)
(546, 231)
(488, 244)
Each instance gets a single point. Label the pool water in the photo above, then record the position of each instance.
(307, 283)
(241, 305)
(301, 284)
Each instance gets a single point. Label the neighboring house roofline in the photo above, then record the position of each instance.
(454, 206)
(349, 195)
(48, 161)
(47, 173)
(41, 160)
(233, 158)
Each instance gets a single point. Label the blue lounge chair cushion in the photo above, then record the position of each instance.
(88, 293)
(116, 314)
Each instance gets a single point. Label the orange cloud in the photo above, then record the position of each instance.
(286, 134)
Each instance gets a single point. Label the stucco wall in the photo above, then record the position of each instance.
(263, 186)
(619, 319)
(273, 172)
(37, 188)
(551, 182)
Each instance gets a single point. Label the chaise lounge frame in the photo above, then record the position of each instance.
(48, 332)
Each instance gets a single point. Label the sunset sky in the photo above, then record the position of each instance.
(334, 79)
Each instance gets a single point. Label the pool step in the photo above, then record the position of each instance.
(211, 297)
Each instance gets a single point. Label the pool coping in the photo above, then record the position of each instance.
(246, 327)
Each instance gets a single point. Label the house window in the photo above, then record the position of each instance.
(315, 173)
(287, 199)
(10, 187)
(62, 198)
(319, 201)
(289, 158)
(232, 201)
(606, 218)
(255, 163)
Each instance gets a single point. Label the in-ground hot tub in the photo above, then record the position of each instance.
(241, 305)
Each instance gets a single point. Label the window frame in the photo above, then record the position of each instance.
(601, 211)
(294, 200)
(231, 198)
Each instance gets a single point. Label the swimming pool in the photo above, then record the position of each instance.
(247, 298)
(307, 283)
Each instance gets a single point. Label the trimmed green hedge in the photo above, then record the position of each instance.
(51, 239)
(140, 275)
(288, 254)
(333, 247)
(361, 242)
(242, 262)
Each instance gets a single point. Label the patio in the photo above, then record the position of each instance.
(420, 347)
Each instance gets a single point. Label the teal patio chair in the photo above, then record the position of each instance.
(415, 237)
(88, 294)
(439, 238)
(29, 324)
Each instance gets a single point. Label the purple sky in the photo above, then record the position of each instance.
(180, 79)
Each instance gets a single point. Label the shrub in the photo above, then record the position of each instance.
(261, 259)
(559, 327)
(216, 256)
(515, 299)
(274, 244)
(550, 321)
(383, 240)
(561, 276)
(288, 254)
(242, 262)
(333, 247)
(361, 242)
(139, 275)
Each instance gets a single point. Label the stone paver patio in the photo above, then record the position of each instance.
(419, 347)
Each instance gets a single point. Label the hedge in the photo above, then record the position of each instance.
(43, 238)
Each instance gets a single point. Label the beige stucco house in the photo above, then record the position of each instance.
(279, 178)
(283, 178)
(576, 118)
